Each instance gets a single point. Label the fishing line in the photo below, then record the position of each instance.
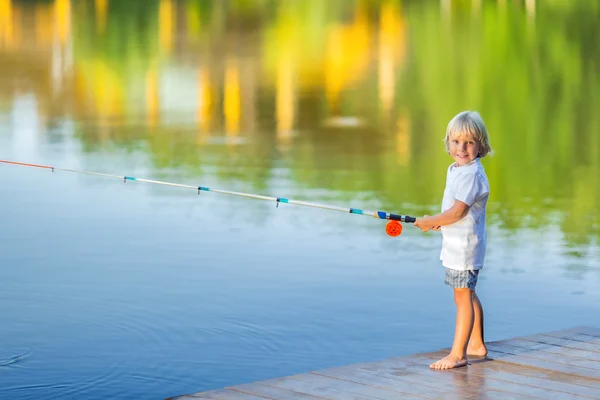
(393, 228)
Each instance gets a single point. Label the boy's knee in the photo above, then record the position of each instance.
(462, 295)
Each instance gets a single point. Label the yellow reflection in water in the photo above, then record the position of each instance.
(205, 103)
(44, 24)
(403, 127)
(166, 25)
(101, 7)
(62, 24)
(283, 45)
(231, 101)
(285, 87)
(347, 56)
(152, 98)
(108, 91)
(392, 49)
(6, 24)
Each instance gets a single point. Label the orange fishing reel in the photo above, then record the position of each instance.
(394, 227)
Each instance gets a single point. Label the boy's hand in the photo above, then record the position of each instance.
(422, 224)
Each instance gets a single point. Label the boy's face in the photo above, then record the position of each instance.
(463, 148)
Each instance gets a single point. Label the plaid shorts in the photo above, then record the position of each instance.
(461, 279)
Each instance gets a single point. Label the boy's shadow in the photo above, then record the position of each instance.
(479, 360)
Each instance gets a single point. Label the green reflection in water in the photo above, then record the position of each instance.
(349, 96)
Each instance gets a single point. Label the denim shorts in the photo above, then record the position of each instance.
(461, 279)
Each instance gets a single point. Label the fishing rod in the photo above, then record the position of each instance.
(393, 227)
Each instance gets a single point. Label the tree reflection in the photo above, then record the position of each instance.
(351, 96)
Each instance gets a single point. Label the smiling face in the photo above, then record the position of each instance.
(463, 148)
(467, 138)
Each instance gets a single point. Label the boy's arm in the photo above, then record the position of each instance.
(450, 216)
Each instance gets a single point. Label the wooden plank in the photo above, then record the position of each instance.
(582, 337)
(330, 388)
(562, 365)
(563, 342)
(498, 380)
(506, 372)
(400, 367)
(419, 364)
(271, 392)
(524, 360)
(579, 330)
(589, 330)
(592, 367)
(547, 378)
(550, 348)
(354, 387)
(408, 380)
(412, 384)
(221, 394)
(578, 337)
(567, 333)
(194, 395)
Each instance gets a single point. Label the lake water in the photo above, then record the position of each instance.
(131, 290)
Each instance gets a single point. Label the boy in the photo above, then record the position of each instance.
(462, 222)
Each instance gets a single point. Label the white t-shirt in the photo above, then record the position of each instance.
(464, 242)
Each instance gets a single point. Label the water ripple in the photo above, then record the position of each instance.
(11, 360)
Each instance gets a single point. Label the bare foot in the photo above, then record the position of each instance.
(480, 351)
(449, 362)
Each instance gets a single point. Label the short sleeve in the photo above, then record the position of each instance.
(469, 187)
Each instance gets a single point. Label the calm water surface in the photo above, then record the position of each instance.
(113, 290)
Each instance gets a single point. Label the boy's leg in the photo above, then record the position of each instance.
(476, 345)
(464, 326)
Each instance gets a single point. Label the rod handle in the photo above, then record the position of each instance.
(402, 218)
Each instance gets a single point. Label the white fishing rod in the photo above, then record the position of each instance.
(393, 228)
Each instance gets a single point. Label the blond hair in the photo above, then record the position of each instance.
(469, 123)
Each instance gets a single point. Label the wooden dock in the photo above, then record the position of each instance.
(555, 365)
